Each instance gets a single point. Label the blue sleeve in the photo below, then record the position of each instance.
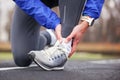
(93, 8)
(40, 12)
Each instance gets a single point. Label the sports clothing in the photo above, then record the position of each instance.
(93, 8)
(47, 18)
(26, 36)
(29, 15)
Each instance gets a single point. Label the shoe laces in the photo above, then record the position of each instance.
(52, 52)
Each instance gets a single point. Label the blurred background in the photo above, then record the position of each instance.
(101, 41)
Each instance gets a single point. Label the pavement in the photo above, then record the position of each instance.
(74, 70)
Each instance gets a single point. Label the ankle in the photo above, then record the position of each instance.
(52, 35)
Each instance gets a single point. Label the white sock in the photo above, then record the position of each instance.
(53, 37)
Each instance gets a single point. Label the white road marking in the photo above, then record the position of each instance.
(14, 68)
(106, 61)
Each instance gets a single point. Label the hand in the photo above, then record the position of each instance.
(76, 35)
(58, 32)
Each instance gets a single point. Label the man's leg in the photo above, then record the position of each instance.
(48, 34)
(24, 37)
(70, 12)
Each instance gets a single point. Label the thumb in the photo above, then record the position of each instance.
(58, 32)
(69, 38)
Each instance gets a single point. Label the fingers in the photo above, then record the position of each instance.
(75, 42)
(70, 37)
(58, 32)
(72, 52)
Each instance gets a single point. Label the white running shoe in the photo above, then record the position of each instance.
(52, 58)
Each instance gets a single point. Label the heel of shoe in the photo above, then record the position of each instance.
(31, 55)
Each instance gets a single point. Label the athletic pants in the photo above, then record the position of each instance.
(26, 35)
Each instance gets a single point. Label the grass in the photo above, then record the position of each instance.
(91, 56)
(5, 56)
(76, 56)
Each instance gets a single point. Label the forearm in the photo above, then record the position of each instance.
(40, 12)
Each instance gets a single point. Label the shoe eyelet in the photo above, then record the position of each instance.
(49, 59)
(52, 58)
(55, 58)
(58, 56)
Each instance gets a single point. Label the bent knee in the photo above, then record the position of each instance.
(22, 62)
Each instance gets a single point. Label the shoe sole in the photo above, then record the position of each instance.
(44, 67)
(47, 68)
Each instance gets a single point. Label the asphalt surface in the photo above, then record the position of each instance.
(74, 70)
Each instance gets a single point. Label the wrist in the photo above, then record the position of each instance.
(85, 23)
(88, 19)
(83, 26)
